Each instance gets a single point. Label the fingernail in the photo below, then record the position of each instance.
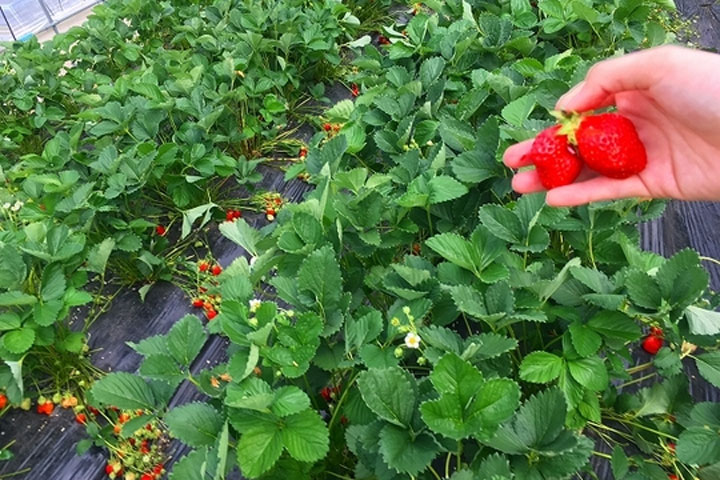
(565, 99)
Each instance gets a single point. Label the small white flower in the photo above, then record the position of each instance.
(18, 205)
(253, 260)
(40, 99)
(62, 72)
(127, 21)
(7, 205)
(254, 305)
(412, 340)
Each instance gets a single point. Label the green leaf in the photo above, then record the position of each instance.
(320, 275)
(538, 424)
(615, 325)
(162, 367)
(289, 400)
(390, 393)
(185, 339)
(517, 111)
(195, 424)
(702, 321)
(306, 436)
(98, 256)
(53, 282)
(541, 367)
(699, 446)
(242, 234)
(258, 450)
(430, 70)
(620, 463)
(491, 345)
(124, 391)
(468, 405)
(589, 372)
(13, 299)
(444, 188)
(585, 340)
(407, 453)
(709, 367)
(19, 341)
(45, 314)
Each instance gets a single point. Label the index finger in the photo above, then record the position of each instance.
(514, 156)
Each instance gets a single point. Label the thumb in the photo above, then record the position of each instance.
(635, 71)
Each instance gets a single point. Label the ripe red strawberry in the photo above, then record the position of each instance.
(327, 127)
(216, 270)
(383, 40)
(123, 417)
(160, 230)
(3, 400)
(46, 408)
(81, 418)
(326, 393)
(671, 447)
(672, 476)
(159, 468)
(237, 214)
(657, 331)
(303, 152)
(203, 266)
(652, 344)
(355, 90)
(210, 314)
(109, 469)
(555, 163)
(197, 303)
(147, 476)
(609, 144)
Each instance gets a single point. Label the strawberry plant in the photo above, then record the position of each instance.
(411, 317)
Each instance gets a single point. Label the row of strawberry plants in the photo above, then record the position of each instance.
(121, 139)
(412, 318)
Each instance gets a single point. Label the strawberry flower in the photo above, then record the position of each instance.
(412, 340)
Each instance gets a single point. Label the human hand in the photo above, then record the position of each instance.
(672, 95)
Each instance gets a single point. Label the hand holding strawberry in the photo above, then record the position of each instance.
(669, 95)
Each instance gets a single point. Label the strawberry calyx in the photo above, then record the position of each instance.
(569, 124)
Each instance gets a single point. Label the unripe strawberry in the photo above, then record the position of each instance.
(609, 144)
(556, 164)
(652, 344)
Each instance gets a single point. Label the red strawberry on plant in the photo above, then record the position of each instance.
(210, 314)
(81, 418)
(159, 469)
(161, 230)
(147, 476)
(216, 270)
(303, 152)
(45, 408)
(652, 344)
(198, 303)
(327, 127)
(326, 393)
(383, 40)
(556, 164)
(609, 144)
(109, 469)
(355, 90)
(203, 266)
(3, 400)
(672, 476)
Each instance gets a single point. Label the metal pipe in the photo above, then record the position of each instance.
(45, 9)
(7, 22)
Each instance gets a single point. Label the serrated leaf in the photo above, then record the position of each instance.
(390, 393)
(468, 405)
(162, 367)
(19, 341)
(258, 450)
(123, 390)
(99, 255)
(709, 367)
(195, 424)
(289, 400)
(517, 111)
(305, 436)
(242, 234)
(585, 340)
(702, 321)
(445, 188)
(185, 339)
(430, 70)
(406, 453)
(589, 372)
(541, 367)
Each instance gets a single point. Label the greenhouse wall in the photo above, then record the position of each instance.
(20, 19)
